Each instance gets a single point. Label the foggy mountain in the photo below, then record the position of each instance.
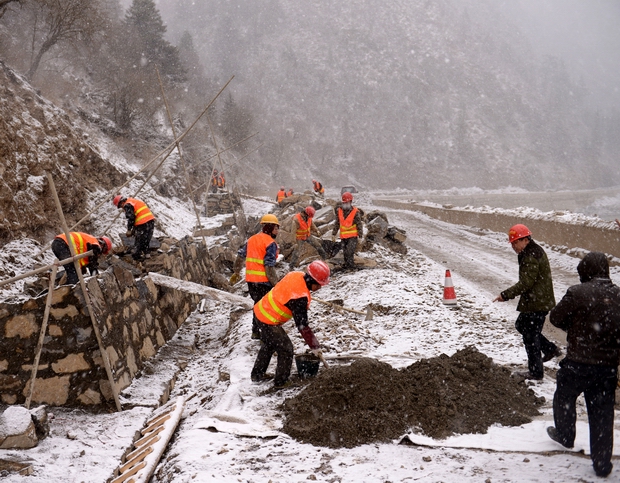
(413, 94)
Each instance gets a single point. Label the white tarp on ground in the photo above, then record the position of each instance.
(530, 438)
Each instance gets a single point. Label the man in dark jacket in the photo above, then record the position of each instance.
(535, 289)
(590, 315)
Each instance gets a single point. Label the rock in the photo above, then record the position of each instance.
(17, 429)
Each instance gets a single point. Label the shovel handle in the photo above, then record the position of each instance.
(322, 357)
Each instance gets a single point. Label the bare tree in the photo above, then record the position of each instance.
(57, 21)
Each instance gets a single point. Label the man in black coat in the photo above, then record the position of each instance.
(590, 315)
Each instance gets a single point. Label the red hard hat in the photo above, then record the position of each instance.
(310, 211)
(517, 232)
(319, 271)
(347, 197)
(107, 245)
(116, 200)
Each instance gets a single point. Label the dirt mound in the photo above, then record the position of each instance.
(369, 401)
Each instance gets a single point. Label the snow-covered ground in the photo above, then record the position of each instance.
(230, 430)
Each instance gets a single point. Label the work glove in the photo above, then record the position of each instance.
(234, 278)
(129, 233)
(334, 238)
(317, 352)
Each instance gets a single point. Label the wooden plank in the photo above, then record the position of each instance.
(123, 478)
(153, 427)
(147, 438)
(138, 457)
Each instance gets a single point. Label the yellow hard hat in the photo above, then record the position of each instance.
(269, 218)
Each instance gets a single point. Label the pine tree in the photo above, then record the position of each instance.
(146, 27)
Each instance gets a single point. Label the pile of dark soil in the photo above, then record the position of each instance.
(369, 401)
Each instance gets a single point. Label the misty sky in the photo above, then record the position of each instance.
(584, 33)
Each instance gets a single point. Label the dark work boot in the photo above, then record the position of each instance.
(553, 434)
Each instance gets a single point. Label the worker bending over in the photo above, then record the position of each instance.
(318, 187)
(304, 230)
(82, 243)
(289, 299)
(140, 222)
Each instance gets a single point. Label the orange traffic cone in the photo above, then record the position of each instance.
(449, 295)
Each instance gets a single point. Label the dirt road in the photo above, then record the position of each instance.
(484, 258)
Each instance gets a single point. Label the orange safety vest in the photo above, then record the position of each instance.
(318, 187)
(347, 228)
(255, 257)
(289, 193)
(271, 309)
(142, 212)
(79, 241)
(303, 232)
(281, 195)
(221, 181)
(214, 180)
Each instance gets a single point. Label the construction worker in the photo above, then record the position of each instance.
(535, 289)
(304, 230)
(318, 187)
(140, 223)
(351, 228)
(281, 195)
(590, 315)
(289, 299)
(260, 253)
(289, 192)
(221, 180)
(82, 243)
(214, 181)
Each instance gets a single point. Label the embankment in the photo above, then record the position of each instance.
(569, 235)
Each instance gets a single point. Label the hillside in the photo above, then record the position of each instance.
(37, 136)
(414, 94)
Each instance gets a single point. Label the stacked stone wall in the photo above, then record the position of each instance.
(135, 317)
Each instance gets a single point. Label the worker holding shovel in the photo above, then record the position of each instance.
(289, 299)
(140, 223)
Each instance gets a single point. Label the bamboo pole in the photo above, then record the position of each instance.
(104, 353)
(46, 267)
(187, 180)
(37, 357)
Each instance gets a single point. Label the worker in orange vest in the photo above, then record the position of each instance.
(281, 195)
(140, 222)
(289, 299)
(318, 187)
(289, 192)
(260, 253)
(304, 230)
(82, 243)
(221, 180)
(351, 228)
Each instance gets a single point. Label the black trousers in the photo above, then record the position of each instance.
(257, 291)
(529, 325)
(349, 245)
(274, 339)
(62, 252)
(143, 234)
(598, 385)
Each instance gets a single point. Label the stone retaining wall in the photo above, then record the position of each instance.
(551, 232)
(135, 318)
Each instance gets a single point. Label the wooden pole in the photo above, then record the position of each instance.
(46, 267)
(104, 353)
(187, 180)
(37, 357)
(173, 144)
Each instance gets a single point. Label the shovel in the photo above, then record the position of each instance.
(368, 313)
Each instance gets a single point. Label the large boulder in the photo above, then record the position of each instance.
(17, 429)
